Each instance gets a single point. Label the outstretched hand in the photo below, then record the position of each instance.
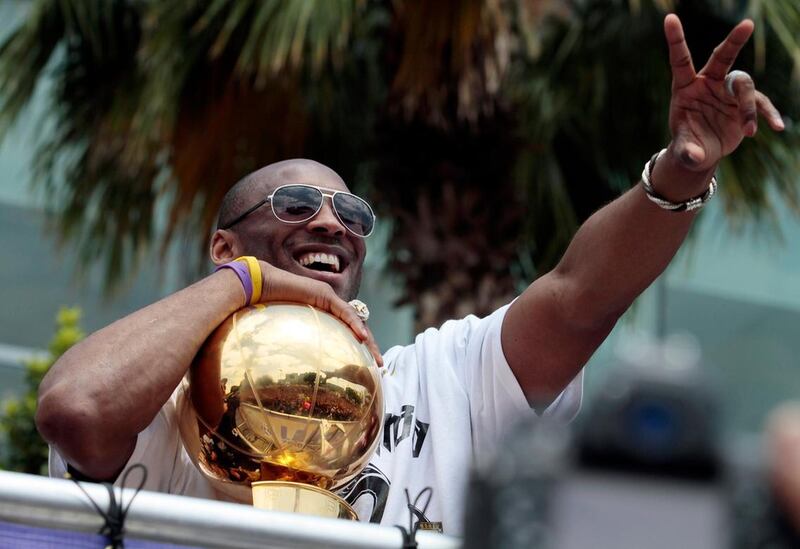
(706, 120)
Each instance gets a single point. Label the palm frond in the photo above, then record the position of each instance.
(783, 18)
(445, 113)
(24, 55)
(277, 35)
(245, 61)
(762, 171)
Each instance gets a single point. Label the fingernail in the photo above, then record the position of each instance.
(750, 129)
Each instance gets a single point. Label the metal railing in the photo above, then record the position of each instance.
(61, 505)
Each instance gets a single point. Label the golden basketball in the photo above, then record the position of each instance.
(281, 392)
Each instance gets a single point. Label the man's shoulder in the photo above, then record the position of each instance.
(441, 347)
(395, 360)
(458, 332)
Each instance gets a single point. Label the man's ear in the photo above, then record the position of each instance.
(225, 246)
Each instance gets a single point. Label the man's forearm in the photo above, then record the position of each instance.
(623, 247)
(102, 392)
(557, 323)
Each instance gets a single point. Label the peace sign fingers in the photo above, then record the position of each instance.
(725, 54)
(679, 57)
(712, 110)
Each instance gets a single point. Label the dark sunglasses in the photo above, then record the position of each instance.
(298, 203)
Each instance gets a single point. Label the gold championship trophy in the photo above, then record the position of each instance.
(285, 404)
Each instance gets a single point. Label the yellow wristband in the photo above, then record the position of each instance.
(255, 275)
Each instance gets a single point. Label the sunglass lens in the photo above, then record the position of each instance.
(355, 213)
(296, 203)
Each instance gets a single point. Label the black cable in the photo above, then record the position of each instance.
(114, 518)
(420, 514)
(410, 535)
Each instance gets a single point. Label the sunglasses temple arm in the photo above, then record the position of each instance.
(246, 213)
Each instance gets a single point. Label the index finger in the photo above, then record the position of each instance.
(679, 57)
(725, 54)
(372, 345)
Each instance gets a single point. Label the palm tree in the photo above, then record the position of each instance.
(486, 130)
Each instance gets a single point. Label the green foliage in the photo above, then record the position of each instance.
(25, 450)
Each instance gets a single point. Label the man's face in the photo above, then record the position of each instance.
(321, 248)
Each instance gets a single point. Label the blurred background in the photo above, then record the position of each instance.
(482, 131)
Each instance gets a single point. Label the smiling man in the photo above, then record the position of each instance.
(110, 400)
(331, 249)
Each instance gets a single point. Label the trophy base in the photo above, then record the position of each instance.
(294, 497)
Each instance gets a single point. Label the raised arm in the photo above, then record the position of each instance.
(105, 390)
(559, 321)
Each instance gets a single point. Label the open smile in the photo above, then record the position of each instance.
(323, 262)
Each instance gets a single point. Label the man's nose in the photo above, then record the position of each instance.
(326, 220)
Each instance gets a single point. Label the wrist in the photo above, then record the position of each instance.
(267, 274)
(233, 286)
(248, 270)
(675, 181)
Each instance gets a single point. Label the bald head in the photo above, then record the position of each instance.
(258, 184)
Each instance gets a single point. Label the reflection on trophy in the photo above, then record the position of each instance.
(285, 401)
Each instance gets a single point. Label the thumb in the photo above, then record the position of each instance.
(688, 151)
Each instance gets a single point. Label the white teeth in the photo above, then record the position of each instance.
(328, 259)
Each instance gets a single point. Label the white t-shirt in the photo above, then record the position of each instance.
(450, 398)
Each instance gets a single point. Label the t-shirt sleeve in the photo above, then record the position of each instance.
(496, 398)
(158, 448)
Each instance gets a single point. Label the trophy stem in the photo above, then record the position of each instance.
(294, 497)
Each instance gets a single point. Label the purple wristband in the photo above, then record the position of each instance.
(243, 273)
